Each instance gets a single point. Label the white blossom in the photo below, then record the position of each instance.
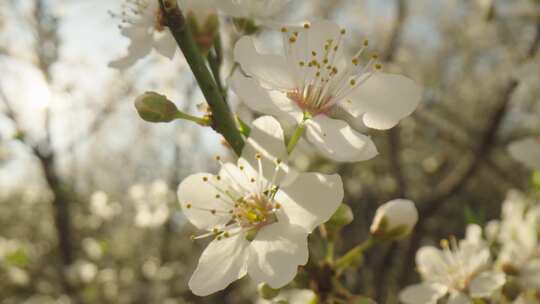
(517, 235)
(141, 21)
(258, 214)
(394, 219)
(458, 269)
(260, 10)
(313, 78)
(527, 152)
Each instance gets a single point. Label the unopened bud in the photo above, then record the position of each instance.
(266, 292)
(204, 29)
(343, 216)
(153, 107)
(394, 220)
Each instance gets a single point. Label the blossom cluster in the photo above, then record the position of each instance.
(260, 210)
(499, 263)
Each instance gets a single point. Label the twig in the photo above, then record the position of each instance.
(222, 118)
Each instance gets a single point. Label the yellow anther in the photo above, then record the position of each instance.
(218, 177)
(278, 206)
(226, 234)
(301, 63)
(355, 61)
(241, 167)
(218, 196)
(218, 158)
(375, 56)
(278, 161)
(343, 31)
(213, 211)
(444, 243)
(219, 238)
(306, 25)
(188, 205)
(252, 180)
(284, 29)
(205, 179)
(313, 53)
(378, 66)
(325, 61)
(366, 42)
(353, 82)
(257, 156)
(292, 39)
(215, 230)
(295, 34)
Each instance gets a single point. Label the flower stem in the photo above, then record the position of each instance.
(296, 137)
(203, 121)
(354, 256)
(222, 118)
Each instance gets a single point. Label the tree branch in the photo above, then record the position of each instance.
(222, 118)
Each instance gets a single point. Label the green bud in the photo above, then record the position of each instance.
(246, 26)
(153, 107)
(343, 216)
(266, 292)
(204, 31)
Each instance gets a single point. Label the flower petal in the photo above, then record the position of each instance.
(424, 293)
(198, 200)
(271, 71)
(383, 100)
(315, 38)
(165, 45)
(276, 253)
(336, 140)
(264, 101)
(486, 283)
(311, 199)
(459, 298)
(221, 263)
(430, 261)
(267, 139)
(231, 8)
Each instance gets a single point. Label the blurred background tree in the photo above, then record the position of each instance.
(87, 190)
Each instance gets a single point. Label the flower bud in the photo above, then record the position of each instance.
(394, 220)
(342, 217)
(246, 26)
(154, 107)
(266, 292)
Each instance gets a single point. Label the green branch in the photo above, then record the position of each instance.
(222, 118)
(355, 255)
